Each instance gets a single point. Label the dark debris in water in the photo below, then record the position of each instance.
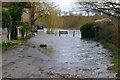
(34, 46)
(97, 45)
(29, 56)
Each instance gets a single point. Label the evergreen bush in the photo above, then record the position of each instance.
(89, 30)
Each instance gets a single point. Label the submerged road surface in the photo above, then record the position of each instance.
(65, 57)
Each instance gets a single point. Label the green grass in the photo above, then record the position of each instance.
(116, 58)
(7, 45)
(26, 38)
(112, 47)
(4, 48)
(23, 39)
(116, 62)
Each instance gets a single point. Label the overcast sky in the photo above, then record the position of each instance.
(64, 5)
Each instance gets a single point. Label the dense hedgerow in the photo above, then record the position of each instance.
(89, 30)
(100, 31)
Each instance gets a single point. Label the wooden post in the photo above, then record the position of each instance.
(73, 33)
(59, 33)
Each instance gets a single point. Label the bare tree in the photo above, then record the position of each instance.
(45, 13)
(108, 8)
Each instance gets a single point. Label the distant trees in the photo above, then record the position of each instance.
(42, 13)
(6, 21)
(53, 20)
(46, 14)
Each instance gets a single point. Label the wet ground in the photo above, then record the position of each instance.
(65, 57)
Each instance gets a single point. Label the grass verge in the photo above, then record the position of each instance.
(116, 57)
(7, 45)
(116, 62)
(26, 38)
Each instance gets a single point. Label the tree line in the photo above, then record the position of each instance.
(42, 13)
(46, 14)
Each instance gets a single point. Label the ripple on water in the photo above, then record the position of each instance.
(76, 54)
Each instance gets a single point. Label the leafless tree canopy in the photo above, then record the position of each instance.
(108, 8)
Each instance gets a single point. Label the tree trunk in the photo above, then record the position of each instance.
(22, 35)
(8, 34)
(119, 33)
(26, 34)
(14, 31)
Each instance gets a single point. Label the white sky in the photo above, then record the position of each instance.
(64, 5)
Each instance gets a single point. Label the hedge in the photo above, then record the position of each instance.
(89, 30)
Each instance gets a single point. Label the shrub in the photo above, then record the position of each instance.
(8, 44)
(104, 34)
(89, 30)
(6, 20)
(107, 32)
(99, 31)
(24, 29)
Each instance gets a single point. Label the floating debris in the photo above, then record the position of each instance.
(43, 45)
(111, 55)
(34, 46)
(20, 56)
(29, 56)
(97, 45)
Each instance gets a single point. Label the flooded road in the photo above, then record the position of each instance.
(66, 56)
